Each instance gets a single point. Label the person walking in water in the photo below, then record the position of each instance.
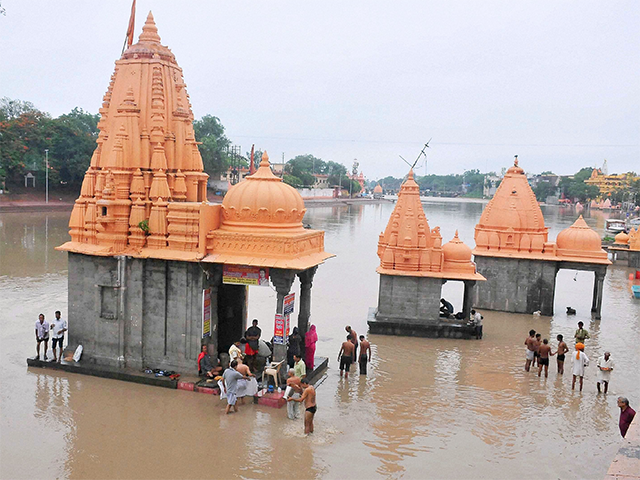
(581, 334)
(543, 360)
(365, 355)
(580, 360)
(353, 337)
(309, 399)
(230, 379)
(562, 350)
(42, 335)
(605, 367)
(536, 352)
(530, 342)
(345, 356)
(293, 409)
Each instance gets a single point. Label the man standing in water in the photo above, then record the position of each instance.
(353, 338)
(580, 360)
(365, 355)
(626, 415)
(562, 349)
(543, 360)
(536, 352)
(42, 335)
(293, 409)
(345, 356)
(230, 379)
(309, 399)
(530, 342)
(581, 334)
(605, 367)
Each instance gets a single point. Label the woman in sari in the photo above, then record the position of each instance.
(310, 340)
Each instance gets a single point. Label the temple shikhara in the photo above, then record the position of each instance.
(514, 252)
(154, 269)
(413, 267)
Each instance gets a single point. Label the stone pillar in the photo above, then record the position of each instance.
(467, 298)
(306, 282)
(598, 284)
(213, 281)
(282, 280)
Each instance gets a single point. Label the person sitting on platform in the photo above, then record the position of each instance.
(446, 309)
(235, 351)
(205, 365)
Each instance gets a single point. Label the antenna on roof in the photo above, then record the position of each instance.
(422, 152)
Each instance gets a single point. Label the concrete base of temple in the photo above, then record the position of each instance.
(633, 259)
(443, 329)
(516, 285)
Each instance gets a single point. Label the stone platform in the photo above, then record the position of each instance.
(185, 382)
(626, 465)
(427, 329)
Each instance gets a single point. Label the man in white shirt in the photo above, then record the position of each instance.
(58, 327)
(42, 335)
(476, 318)
(605, 367)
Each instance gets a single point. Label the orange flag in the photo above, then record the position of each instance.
(132, 21)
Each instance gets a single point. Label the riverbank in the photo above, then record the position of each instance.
(626, 465)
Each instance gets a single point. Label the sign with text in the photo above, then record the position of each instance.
(279, 329)
(206, 313)
(289, 302)
(245, 275)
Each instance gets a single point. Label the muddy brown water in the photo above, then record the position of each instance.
(428, 408)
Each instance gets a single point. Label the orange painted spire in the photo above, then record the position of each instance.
(149, 31)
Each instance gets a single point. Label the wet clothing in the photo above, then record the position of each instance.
(579, 364)
(345, 362)
(561, 358)
(363, 360)
(626, 417)
(42, 330)
(293, 408)
(314, 409)
(604, 376)
(530, 354)
(543, 361)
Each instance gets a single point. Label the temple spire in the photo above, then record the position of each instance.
(149, 31)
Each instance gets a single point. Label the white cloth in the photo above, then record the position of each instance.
(603, 376)
(477, 318)
(529, 354)
(42, 329)
(293, 408)
(579, 364)
(56, 327)
(247, 388)
(234, 352)
(223, 394)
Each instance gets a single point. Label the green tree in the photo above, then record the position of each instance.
(544, 190)
(575, 188)
(214, 144)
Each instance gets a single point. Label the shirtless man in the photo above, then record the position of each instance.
(309, 399)
(345, 357)
(365, 355)
(293, 409)
(536, 353)
(562, 349)
(543, 360)
(530, 342)
(353, 337)
(243, 383)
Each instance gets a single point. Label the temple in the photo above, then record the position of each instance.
(155, 271)
(626, 246)
(413, 267)
(514, 253)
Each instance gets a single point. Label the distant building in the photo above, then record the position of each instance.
(608, 183)
(491, 183)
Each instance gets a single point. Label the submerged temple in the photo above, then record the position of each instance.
(148, 253)
(413, 267)
(514, 253)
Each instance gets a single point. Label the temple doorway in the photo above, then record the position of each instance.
(232, 314)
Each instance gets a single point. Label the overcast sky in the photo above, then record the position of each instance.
(557, 83)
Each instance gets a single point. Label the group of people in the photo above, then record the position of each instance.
(54, 330)
(304, 346)
(349, 352)
(539, 351)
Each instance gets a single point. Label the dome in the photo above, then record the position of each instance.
(621, 239)
(262, 202)
(377, 189)
(457, 257)
(581, 241)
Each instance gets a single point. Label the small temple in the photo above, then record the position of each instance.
(413, 267)
(626, 246)
(148, 255)
(514, 252)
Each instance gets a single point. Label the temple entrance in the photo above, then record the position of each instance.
(232, 313)
(582, 279)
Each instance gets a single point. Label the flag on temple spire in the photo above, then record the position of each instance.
(130, 28)
(252, 166)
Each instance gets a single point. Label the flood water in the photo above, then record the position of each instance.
(428, 408)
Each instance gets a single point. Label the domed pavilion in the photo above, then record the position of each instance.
(413, 267)
(514, 253)
(626, 246)
(155, 271)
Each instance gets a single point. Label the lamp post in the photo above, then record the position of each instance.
(46, 172)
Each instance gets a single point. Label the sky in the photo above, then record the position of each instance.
(556, 83)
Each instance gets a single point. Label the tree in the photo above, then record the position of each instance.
(575, 187)
(214, 144)
(544, 190)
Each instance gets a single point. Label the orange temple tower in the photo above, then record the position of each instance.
(514, 253)
(413, 266)
(155, 271)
